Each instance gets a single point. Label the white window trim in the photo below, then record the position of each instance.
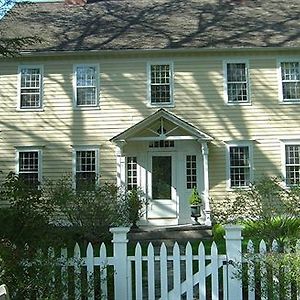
(280, 90)
(86, 107)
(238, 144)
(160, 62)
(97, 155)
(30, 149)
(236, 61)
(40, 108)
(284, 143)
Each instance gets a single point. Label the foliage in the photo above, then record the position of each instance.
(52, 214)
(195, 198)
(136, 202)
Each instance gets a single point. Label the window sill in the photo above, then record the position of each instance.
(239, 104)
(289, 102)
(87, 108)
(30, 109)
(170, 105)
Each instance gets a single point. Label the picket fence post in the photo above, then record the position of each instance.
(233, 239)
(120, 261)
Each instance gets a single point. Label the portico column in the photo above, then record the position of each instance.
(206, 184)
(121, 167)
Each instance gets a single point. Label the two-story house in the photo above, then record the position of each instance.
(165, 95)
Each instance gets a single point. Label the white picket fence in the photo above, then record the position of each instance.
(177, 273)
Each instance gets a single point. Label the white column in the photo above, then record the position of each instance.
(121, 167)
(120, 261)
(206, 183)
(233, 238)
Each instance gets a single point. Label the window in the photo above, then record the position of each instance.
(29, 166)
(160, 84)
(240, 171)
(236, 83)
(86, 168)
(161, 144)
(86, 85)
(290, 81)
(191, 171)
(292, 164)
(30, 87)
(131, 173)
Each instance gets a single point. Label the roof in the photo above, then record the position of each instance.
(155, 24)
(174, 127)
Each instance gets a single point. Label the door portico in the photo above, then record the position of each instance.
(165, 157)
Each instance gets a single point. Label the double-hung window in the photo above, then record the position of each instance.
(86, 85)
(30, 90)
(85, 167)
(160, 80)
(290, 81)
(236, 83)
(191, 171)
(132, 176)
(292, 164)
(240, 165)
(29, 166)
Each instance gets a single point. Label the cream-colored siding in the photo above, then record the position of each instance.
(198, 99)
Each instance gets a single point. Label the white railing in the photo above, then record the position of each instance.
(180, 272)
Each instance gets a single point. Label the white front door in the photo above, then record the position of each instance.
(162, 185)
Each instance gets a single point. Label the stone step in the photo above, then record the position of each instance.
(170, 234)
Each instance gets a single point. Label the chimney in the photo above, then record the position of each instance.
(76, 2)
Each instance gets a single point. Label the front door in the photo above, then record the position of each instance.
(162, 186)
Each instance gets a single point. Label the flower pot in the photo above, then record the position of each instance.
(195, 211)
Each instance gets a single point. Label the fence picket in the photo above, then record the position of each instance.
(202, 275)
(176, 273)
(103, 272)
(150, 271)
(64, 273)
(77, 272)
(214, 271)
(275, 273)
(163, 272)
(138, 272)
(251, 271)
(189, 271)
(51, 257)
(90, 271)
(263, 271)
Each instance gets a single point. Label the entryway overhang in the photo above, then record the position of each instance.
(153, 141)
(161, 125)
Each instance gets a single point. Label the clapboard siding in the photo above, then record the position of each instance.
(198, 96)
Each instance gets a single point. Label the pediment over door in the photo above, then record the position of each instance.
(161, 125)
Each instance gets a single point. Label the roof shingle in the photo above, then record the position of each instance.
(158, 24)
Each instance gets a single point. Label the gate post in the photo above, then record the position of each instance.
(233, 238)
(120, 261)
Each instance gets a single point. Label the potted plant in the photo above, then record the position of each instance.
(195, 202)
(135, 204)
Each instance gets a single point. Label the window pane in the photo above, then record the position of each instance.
(290, 75)
(29, 166)
(131, 173)
(85, 169)
(237, 82)
(86, 85)
(191, 171)
(161, 177)
(160, 83)
(239, 166)
(30, 88)
(292, 164)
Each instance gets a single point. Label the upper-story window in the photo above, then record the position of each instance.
(85, 167)
(29, 166)
(240, 165)
(86, 85)
(236, 83)
(30, 93)
(290, 81)
(160, 78)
